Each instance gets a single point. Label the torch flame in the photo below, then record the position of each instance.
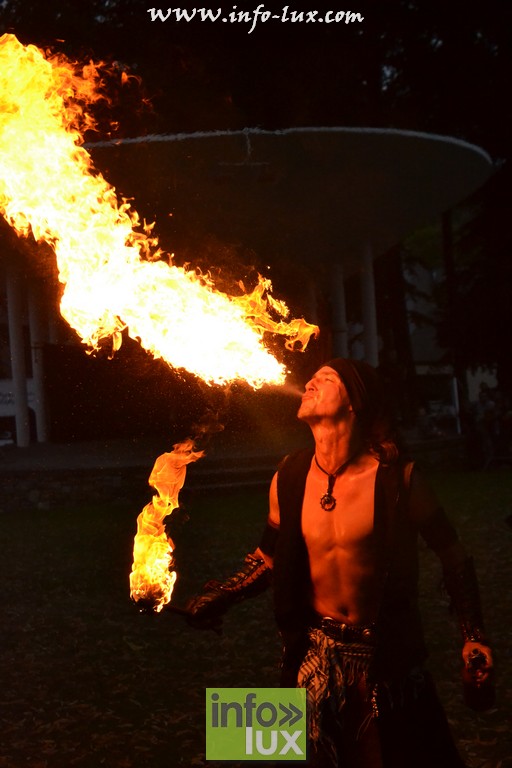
(152, 578)
(115, 278)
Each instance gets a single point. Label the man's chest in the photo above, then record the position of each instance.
(350, 524)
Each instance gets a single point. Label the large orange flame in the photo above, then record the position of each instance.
(114, 276)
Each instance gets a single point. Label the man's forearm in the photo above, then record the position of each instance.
(206, 610)
(462, 586)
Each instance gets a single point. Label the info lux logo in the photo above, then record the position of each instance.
(256, 724)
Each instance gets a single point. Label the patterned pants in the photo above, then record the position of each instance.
(353, 723)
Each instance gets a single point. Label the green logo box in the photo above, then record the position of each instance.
(256, 724)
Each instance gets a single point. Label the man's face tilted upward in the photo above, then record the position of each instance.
(325, 397)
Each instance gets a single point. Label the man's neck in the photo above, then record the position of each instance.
(335, 444)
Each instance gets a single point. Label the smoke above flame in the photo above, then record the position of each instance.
(115, 277)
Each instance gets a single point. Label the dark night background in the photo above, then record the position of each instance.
(427, 66)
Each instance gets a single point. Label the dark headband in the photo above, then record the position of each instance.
(364, 388)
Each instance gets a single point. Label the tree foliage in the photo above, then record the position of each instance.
(416, 64)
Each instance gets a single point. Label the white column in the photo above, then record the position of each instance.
(370, 335)
(339, 313)
(54, 335)
(17, 347)
(37, 338)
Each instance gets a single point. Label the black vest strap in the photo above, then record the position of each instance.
(292, 581)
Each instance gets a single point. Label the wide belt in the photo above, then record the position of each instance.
(347, 633)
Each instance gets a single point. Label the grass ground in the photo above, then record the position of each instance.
(87, 681)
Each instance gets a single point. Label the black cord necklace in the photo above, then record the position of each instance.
(328, 502)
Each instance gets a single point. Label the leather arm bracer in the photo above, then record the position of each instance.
(206, 610)
(462, 587)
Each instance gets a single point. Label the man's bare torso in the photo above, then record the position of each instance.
(340, 542)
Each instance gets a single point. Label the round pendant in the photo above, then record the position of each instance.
(327, 502)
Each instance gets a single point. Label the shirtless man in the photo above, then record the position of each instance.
(341, 544)
(340, 549)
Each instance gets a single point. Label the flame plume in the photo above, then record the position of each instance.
(115, 278)
(114, 275)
